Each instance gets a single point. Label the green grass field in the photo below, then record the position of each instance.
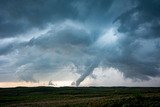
(79, 97)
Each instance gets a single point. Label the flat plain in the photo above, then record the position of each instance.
(80, 97)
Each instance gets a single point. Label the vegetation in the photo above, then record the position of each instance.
(79, 97)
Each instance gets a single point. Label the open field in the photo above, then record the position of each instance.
(80, 97)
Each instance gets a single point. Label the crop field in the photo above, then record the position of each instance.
(79, 97)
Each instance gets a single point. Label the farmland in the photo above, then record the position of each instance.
(80, 97)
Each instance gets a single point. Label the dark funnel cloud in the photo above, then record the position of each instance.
(40, 37)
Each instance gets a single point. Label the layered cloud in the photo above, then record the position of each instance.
(79, 36)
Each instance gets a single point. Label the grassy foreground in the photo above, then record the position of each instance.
(79, 97)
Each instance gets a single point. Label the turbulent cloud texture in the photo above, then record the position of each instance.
(42, 37)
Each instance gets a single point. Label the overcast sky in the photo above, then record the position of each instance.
(96, 42)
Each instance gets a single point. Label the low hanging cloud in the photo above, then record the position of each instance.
(81, 36)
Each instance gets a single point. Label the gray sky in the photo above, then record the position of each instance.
(40, 38)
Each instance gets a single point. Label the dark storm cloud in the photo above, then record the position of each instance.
(139, 48)
(19, 16)
(63, 37)
(6, 49)
(83, 35)
(144, 18)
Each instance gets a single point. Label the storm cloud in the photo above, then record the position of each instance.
(42, 37)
